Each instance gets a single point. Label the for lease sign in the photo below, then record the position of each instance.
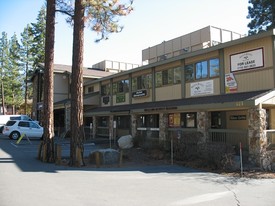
(247, 60)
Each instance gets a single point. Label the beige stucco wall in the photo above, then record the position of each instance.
(253, 79)
(168, 92)
(60, 87)
(236, 124)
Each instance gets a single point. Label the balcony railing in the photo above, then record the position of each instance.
(229, 137)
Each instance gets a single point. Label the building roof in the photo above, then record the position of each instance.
(87, 72)
(215, 102)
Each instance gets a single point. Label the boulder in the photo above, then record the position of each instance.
(125, 142)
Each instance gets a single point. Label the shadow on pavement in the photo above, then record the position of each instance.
(24, 156)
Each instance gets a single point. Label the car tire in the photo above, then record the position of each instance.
(15, 135)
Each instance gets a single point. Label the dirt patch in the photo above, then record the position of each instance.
(137, 157)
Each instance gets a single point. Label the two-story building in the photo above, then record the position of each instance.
(198, 87)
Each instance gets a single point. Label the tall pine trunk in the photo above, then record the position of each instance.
(48, 142)
(77, 129)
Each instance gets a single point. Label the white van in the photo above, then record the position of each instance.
(5, 118)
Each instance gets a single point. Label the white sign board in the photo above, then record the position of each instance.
(202, 88)
(247, 60)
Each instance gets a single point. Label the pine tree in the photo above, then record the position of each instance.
(27, 62)
(100, 16)
(13, 82)
(38, 31)
(4, 64)
(262, 15)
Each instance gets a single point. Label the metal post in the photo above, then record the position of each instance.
(241, 159)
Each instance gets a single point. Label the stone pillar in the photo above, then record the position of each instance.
(202, 125)
(111, 126)
(163, 127)
(257, 140)
(94, 126)
(67, 117)
(134, 125)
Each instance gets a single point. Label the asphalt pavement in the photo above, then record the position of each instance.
(26, 181)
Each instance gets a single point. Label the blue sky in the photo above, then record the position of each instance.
(152, 22)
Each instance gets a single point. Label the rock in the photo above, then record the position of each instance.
(125, 142)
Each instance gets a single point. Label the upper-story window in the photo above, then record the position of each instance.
(202, 70)
(142, 82)
(121, 86)
(169, 76)
(91, 89)
(105, 89)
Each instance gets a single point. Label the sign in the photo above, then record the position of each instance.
(202, 88)
(174, 120)
(230, 83)
(140, 93)
(106, 99)
(120, 97)
(247, 60)
(238, 117)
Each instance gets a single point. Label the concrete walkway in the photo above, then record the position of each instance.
(25, 181)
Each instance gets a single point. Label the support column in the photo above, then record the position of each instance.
(67, 117)
(257, 140)
(134, 125)
(163, 127)
(202, 125)
(111, 126)
(94, 126)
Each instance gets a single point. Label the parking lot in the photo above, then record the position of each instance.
(26, 181)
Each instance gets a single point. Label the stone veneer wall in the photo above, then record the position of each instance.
(163, 127)
(258, 153)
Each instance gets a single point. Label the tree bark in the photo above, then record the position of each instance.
(48, 143)
(77, 129)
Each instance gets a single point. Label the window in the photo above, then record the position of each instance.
(150, 120)
(189, 72)
(214, 66)
(201, 70)
(123, 122)
(158, 79)
(142, 82)
(168, 76)
(90, 89)
(105, 90)
(177, 75)
(121, 86)
(103, 121)
(23, 124)
(189, 120)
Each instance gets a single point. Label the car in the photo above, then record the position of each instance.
(15, 128)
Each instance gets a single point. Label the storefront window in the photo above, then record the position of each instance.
(123, 122)
(150, 121)
(189, 120)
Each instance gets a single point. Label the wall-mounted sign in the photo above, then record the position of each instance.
(140, 93)
(230, 83)
(120, 98)
(238, 117)
(106, 99)
(247, 60)
(202, 88)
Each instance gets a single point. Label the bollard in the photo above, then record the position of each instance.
(97, 159)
